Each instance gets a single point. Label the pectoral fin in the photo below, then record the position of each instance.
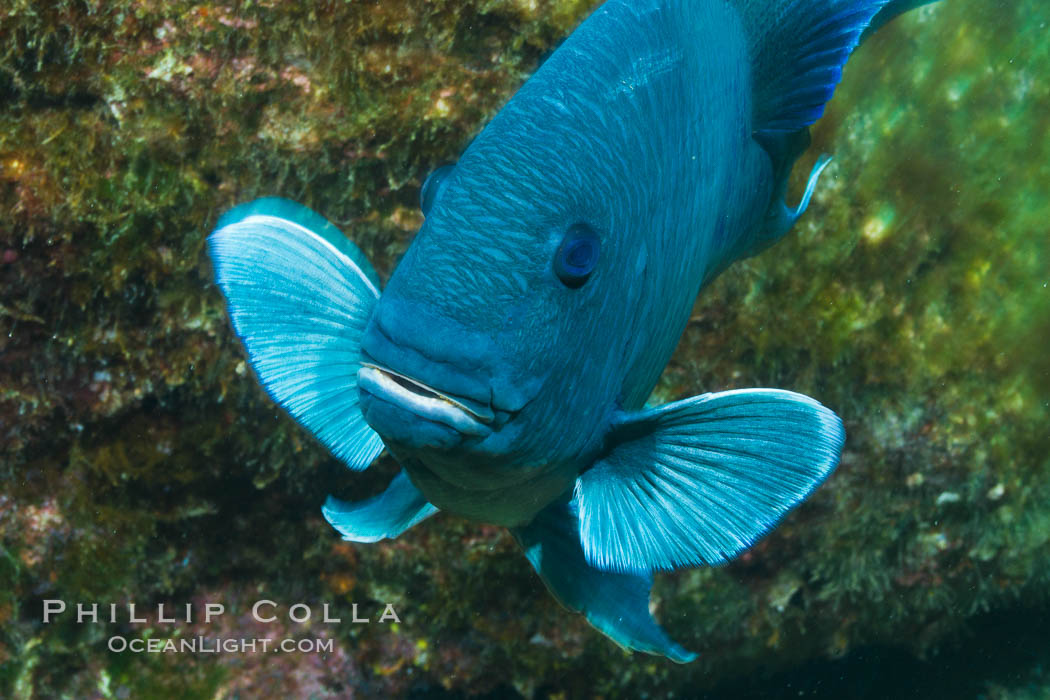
(385, 516)
(616, 604)
(699, 481)
(299, 294)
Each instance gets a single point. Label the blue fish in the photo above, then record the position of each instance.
(507, 363)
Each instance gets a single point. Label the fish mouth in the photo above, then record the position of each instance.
(462, 415)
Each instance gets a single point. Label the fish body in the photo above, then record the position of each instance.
(610, 133)
(507, 363)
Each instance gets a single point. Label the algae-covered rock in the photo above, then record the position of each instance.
(142, 463)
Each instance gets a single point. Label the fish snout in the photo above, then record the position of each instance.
(428, 381)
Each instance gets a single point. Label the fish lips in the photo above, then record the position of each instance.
(408, 412)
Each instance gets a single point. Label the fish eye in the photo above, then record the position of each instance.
(433, 186)
(577, 255)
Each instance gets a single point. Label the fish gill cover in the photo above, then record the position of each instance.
(141, 463)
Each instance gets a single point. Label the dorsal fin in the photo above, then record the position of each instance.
(891, 10)
(798, 49)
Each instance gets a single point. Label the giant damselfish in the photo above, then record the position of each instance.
(507, 363)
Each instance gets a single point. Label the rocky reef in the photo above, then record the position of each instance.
(142, 463)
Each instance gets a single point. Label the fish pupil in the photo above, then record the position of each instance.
(580, 254)
(577, 255)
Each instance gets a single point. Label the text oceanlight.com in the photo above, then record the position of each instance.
(208, 645)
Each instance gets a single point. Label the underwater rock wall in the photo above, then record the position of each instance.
(141, 461)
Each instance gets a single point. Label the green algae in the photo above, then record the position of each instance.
(141, 462)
